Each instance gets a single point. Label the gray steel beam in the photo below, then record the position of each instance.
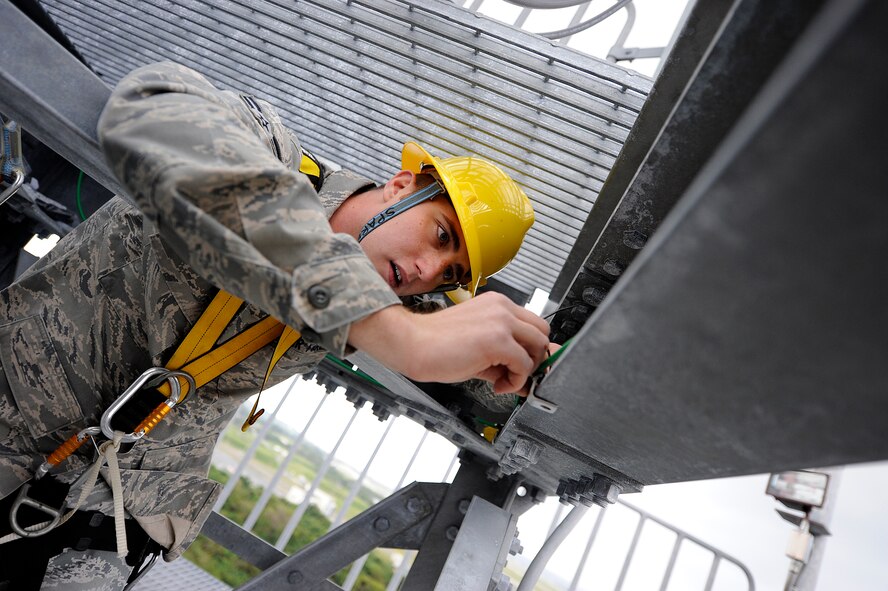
(749, 335)
(753, 37)
(410, 507)
(38, 80)
(679, 66)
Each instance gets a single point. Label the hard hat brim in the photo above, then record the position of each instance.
(414, 158)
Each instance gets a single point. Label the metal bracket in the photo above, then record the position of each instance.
(537, 402)
(480, 549)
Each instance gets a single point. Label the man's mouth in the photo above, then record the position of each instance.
(396, 274)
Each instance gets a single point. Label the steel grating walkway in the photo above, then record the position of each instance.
(356, 79)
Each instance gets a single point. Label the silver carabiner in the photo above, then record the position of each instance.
(171, 376)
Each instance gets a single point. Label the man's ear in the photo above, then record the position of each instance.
(399, 186)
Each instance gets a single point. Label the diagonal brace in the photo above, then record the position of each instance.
(390, 523)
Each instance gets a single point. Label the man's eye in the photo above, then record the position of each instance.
(443, 236)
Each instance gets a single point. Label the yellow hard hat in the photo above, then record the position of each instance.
(493, 211)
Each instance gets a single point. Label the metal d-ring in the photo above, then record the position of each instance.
(24, 499)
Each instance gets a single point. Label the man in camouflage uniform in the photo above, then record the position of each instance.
(221, 205)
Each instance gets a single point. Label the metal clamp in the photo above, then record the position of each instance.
(537, 402)
(24, 499)
(151, 376)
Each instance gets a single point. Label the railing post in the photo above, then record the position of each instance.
(353, 492)
(269, 489)
(242, 465)
(589, 542)
(358, 565)
(631, 552)
(303, 507)
(672, 557)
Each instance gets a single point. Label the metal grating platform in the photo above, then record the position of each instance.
(356, 79)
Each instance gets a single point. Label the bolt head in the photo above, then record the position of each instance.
(414, 504)
(295, 577)
(381, 524)
(451, 532)
(605, 490)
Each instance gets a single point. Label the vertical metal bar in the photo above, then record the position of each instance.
(358, 565)
(303, 506)
(712, 570)
(579, 572)
(401, 572)
(556, 519)
(356, 486)
(242, 465)
(807, 578)
(269, 489)
(476, 4)
(620, 43)
(668, 574)
(522, 18)
(625, 569)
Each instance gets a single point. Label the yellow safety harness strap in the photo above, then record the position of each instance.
(206, 330)
(197, 356)
(287, 339)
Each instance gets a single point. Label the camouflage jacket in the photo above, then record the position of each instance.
(221, 204)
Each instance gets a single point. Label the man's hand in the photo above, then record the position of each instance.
(487, 337)
(524, 392)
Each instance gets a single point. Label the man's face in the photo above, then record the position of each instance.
(421, 248)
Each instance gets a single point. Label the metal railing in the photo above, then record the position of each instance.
(333, 401)
(580, 22)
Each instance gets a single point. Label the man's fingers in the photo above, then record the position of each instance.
(540, 323)
(508, 383)
(534, 342)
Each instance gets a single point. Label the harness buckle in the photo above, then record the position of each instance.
(150, 377)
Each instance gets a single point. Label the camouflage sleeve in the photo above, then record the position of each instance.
(217, 186)
(482, 392)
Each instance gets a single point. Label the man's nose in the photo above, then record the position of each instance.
(431, 266)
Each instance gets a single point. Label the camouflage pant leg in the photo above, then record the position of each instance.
(89, 570)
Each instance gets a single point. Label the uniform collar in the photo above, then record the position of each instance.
(339, 186)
